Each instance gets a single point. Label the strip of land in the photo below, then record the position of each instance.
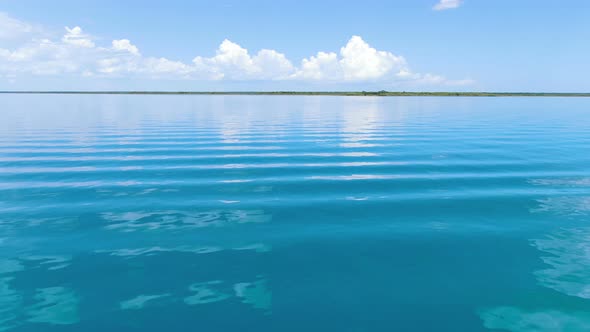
(319, 93)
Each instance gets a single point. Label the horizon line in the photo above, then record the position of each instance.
(382, 93)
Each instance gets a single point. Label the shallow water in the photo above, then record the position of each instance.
(276, 213)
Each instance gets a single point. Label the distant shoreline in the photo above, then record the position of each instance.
(320, 93)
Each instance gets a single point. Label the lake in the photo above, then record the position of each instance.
(282, 213)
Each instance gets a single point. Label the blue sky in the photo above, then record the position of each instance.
(470, 45)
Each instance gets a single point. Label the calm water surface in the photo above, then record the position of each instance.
(262, 213)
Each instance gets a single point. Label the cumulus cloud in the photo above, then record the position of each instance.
(77, 53)
(76, 37)
(323, 66)
(234, 62)
(357, 62)
(125, 45)
(360, 61)
(447, 4)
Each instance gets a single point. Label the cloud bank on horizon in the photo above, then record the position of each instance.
(77, 53)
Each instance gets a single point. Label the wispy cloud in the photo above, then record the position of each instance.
(78, 53)
(447, 4)
(12, 28)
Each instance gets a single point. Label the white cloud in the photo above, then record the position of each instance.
(430, 79)
(125, 45)
(11, 28)
(234, 62)
(41, 57)
(357, 62)
(362, 62)
(323, 66)
(271, 62)
(161, 66)
(447, 4)
(76, 53)
(75, 36)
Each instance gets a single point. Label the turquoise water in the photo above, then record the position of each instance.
(262, 213)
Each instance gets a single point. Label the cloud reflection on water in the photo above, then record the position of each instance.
(540, 320)
(175, 220)
(566, 255)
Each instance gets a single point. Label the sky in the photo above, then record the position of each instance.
(227, 45)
